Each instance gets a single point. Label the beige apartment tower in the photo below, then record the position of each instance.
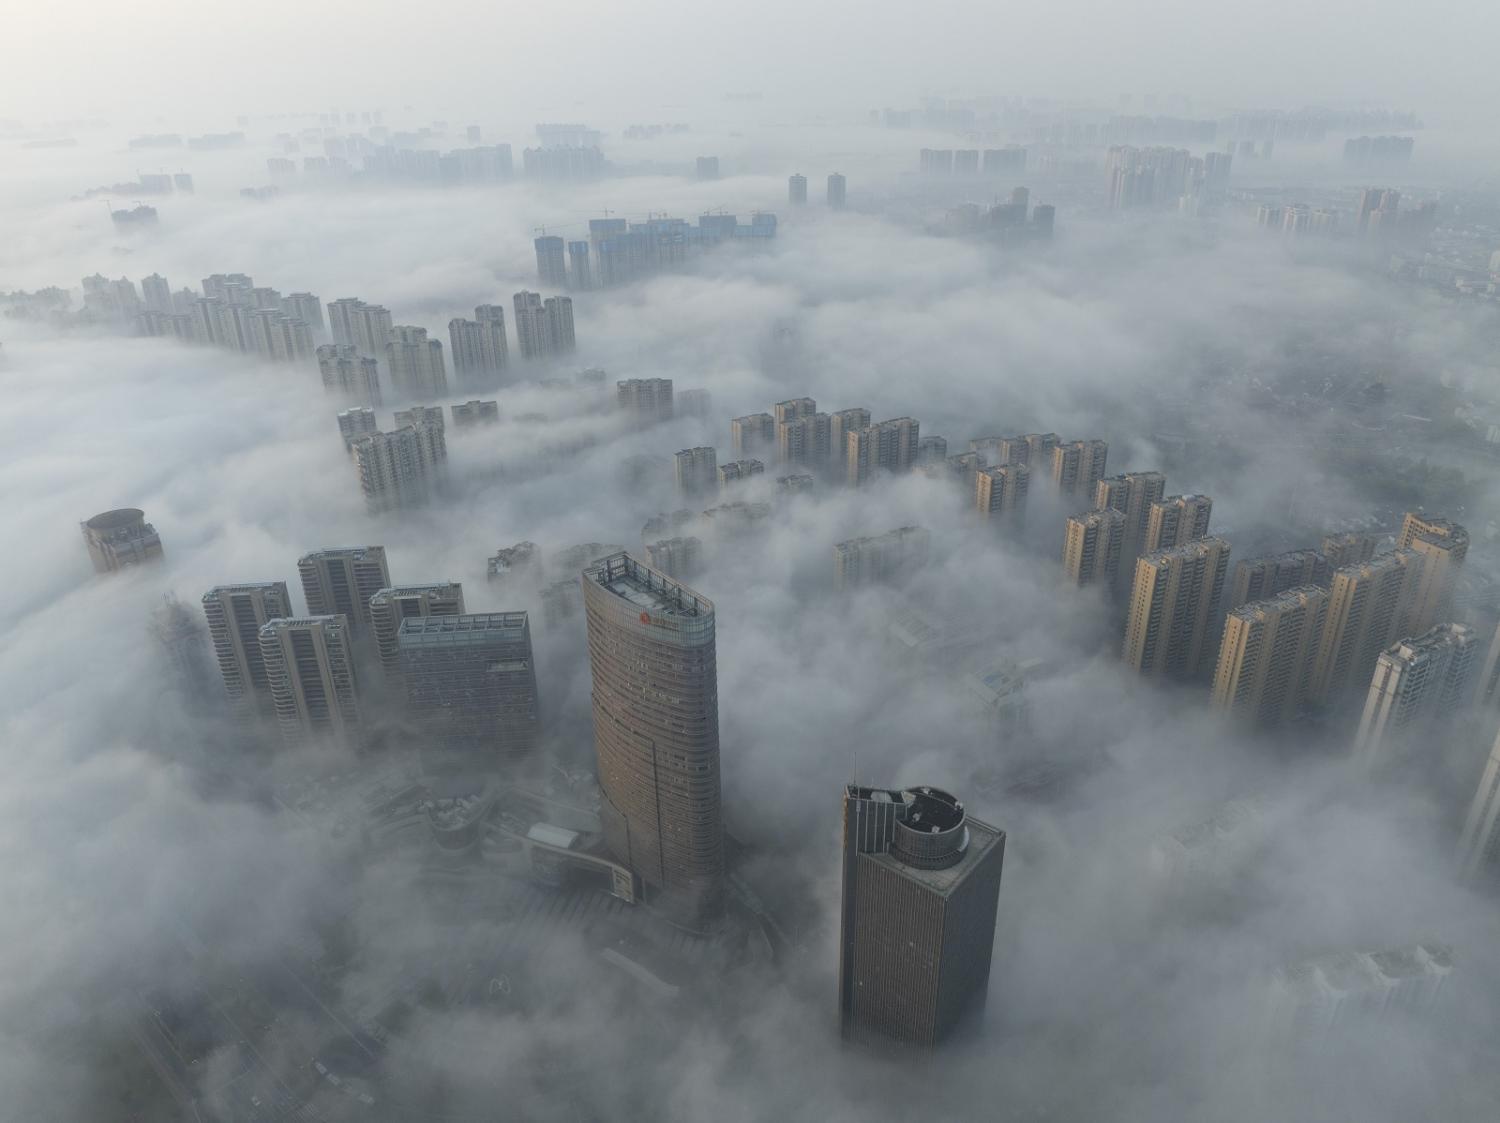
(1091, 548)
(1366, 606)
(1176, 521)
(1347, 549)
(656, 732)
(1267, 655)
(1000, 493)
(1077, 468)
(1172, 624)
(1132, 495)
(1441, 546)
(887, 446)
(753, 435)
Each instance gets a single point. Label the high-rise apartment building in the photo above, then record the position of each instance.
(479, 347)
(932, 450)
(581, 274)
(753, 435)
(676, 557)
(356, 423)
(314, 691)
(840, 425)
(890, 556)
(804, 440)
(551, 262)
(1256, 579)
(656, 731)
(1347, 549)
(1172, 621)
(1479, 845)
(737, 470)
(474, 412)
(1131, 494)
(796, 190)
(886, 446)
(1077, 468)
(1367, 603)
(1091, 545)
(544, 328)
(1418, 684)
(345, 371)
(471, 682)
(416, 363)
(921, 885)
(235, 616)
(694, 403)
(420, 415)
(306, 307)
(120, 538)
(400, 468)
(366, 327)
(647, 400)
(341, 580)
(1176, 521)
(696, 470)
(1267, 655)
(390, 606)
(156, 293)
(1000, 493)
(1440, 546)
(1039, 451)
(837, 191)
(794, 408)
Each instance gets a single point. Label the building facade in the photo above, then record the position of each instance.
(1267, 655)
(235, 616)
(341, 580)
(310, 670)
(471, 682)
(1172, 620)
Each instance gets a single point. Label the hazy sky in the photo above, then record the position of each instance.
(76, 56)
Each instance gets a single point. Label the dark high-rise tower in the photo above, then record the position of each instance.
(836, 188)
(235, 615)
(921, 883)
(796, 190)
(341, 580)
(551, 262)
(470, 681)
(656, 731)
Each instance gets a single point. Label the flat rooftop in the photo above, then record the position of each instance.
(641, 585)
(982, 839)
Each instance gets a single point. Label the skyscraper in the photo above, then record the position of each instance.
(647, 400)
(696, 470)
(582, 277)
(840, 425)
(656, 731)
(1418, 684)
(416, 363)
(341, 580)
(471, 682)
(400, 468)
(120, 538)
(752, 435)
(890, 556)
(804, 440)
(1267, 655)
(544, 328)
(1479, 845)
(474, 412)
(1000, 493)
(1091, 546)
(676, 557)
(796, 190)
(1172, 624)
(1077, 468)
(1366, 606)
(793, 408)
(1259, 578)
(736, 470)
(391, 605)
(479, 347)
(1440, 546)
(156, 293)
(420, 415)
(836, 191)
(235, 615)
(1176, 521)
(1132, 494)
(551, 264)
(921, 885)
(887, 446)
(314, 692)
(1347, 549)
(345, 371)
(356, 423)
(366, 327)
